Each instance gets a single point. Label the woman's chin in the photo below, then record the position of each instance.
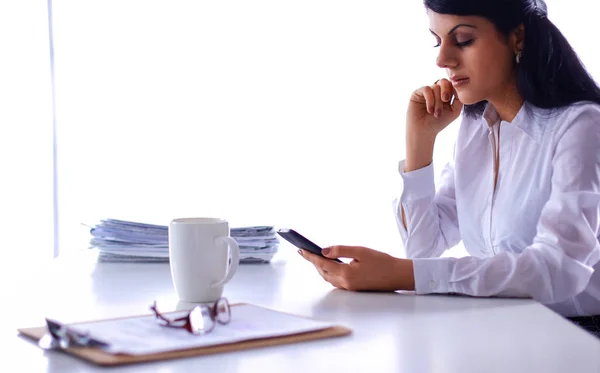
(468, 99)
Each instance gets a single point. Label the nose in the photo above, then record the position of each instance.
(446, 57)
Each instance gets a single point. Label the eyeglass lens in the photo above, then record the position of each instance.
(223, 312)
(201, 319)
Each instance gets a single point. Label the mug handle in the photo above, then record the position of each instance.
(234, 259)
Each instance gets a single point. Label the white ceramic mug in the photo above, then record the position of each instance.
(203, 258)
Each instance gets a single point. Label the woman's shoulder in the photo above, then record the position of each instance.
(583, 116)
(575, 126)
(576, 112)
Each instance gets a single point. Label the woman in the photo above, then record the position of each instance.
(523, 189)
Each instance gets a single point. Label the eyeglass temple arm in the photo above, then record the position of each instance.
(160, 316)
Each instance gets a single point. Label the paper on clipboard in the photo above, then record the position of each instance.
(144, 335)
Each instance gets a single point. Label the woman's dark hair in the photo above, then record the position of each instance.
(550, 74)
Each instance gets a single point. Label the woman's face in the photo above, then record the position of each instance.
(478, 60)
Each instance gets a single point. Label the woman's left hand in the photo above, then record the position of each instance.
(369, 269)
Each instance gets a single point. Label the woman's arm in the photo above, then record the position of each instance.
(430, 224)
(419, 154)
(427, 223)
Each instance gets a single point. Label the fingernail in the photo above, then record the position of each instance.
(300, 252)
(446, 96)
(326, 251)
(437, 113)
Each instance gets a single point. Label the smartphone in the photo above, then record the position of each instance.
(302, 242)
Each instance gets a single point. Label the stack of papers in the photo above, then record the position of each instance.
(123, 241)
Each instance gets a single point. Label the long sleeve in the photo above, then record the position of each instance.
(559, 262)
(431, 219)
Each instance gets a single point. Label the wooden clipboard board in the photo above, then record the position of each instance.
(99, 357)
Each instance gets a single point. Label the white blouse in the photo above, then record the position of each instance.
(536, 234)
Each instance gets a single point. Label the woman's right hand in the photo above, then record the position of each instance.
(431, 108)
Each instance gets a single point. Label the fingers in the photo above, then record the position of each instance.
(437, 96)
(322, 272)
(438, 104)
(341, 251)
(429, 99)
(323, 264)
(446, 90)
(333, 280)
(447, 96)
(334, 273)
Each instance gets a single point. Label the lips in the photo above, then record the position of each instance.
(459, 80)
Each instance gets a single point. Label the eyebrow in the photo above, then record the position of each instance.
(455, 27)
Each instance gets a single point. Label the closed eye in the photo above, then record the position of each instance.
(460, 45)
(465, 43)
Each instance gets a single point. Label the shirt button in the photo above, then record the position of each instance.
(432, 284)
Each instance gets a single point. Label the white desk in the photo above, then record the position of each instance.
(392, 332)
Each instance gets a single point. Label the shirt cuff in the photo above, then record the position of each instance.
(432, 275)
(417, 184)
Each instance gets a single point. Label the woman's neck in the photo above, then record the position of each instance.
(508, 103)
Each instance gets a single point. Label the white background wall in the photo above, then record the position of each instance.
(262, 112)
(26, 193)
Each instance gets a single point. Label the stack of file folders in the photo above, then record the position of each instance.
(127, 241)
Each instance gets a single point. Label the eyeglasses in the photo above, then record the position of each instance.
(201, 319)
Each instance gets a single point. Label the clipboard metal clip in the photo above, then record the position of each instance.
(59, 336)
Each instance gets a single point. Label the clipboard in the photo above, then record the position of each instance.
(102, 358)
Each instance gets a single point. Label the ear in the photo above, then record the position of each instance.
(517, 39)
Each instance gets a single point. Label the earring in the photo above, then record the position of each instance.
(518, 57)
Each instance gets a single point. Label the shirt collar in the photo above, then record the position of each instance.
(527, 120)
